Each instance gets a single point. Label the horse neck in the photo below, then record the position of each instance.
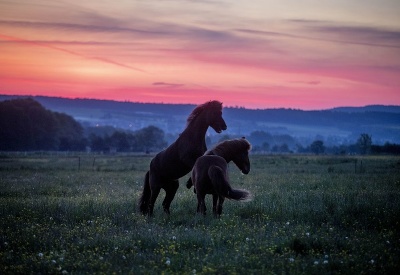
(197, 128)
(224, 154)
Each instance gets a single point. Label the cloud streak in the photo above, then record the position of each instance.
(346, 35)
(169, 85)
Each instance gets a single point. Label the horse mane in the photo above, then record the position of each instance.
(229, 147)
(212, 104)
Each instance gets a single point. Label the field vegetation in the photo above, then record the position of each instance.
(309, 215)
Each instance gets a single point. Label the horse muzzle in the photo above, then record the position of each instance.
(245, 171)
(220, 128)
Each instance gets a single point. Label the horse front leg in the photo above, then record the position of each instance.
(170, 191)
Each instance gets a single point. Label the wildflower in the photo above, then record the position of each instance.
(247, 239)
(326, 256)
(325, 262)
(101, 258)
(291, 260)
(124, 257)
(168, 262)
(307, 234)
(53, 261)
(64, 272)
(372, 261)
(173, 238)
(40, 255)
(287, 223)
(316, 262)
(194, 271)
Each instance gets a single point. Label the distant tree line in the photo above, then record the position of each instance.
(147, 139)
(267, 143)
(25, 125)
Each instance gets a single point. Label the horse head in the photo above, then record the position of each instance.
(242, 162)
(215, 117)
(208, 114)
(241, 158)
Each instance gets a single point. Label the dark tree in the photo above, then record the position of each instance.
(150, 138)
(317, 147)
(364, 143)
(27, 125)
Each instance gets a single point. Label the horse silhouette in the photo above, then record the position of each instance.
(178, 159)
(210, 175)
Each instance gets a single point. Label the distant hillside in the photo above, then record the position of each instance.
(369, 108)
(334, 126)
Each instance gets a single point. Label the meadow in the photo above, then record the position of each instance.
(77, 214)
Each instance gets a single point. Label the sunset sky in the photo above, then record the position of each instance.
(307, 54)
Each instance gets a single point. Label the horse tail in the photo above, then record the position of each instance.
(145, 197)
(223, 188)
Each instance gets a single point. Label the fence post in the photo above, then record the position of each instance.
(79, 163)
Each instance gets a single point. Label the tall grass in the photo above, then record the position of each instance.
(309, 215)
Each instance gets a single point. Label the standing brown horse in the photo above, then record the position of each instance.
(210, 175)
(178, 159)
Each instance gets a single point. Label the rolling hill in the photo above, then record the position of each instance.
(335, 126)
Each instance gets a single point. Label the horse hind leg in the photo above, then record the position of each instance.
(201, 204)
(155, 190)
(219, 206)
(170, 191)
(215, 201)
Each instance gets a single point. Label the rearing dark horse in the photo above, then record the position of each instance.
(178, 159)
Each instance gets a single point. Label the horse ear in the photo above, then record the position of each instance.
(243, 137)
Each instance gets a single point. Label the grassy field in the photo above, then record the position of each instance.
(309, 215)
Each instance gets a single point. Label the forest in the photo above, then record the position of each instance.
(27, 126)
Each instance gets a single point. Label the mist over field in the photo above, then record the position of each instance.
(293, 127)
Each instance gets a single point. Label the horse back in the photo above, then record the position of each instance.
(200, 173)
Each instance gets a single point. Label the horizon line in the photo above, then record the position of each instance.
(194, 104)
